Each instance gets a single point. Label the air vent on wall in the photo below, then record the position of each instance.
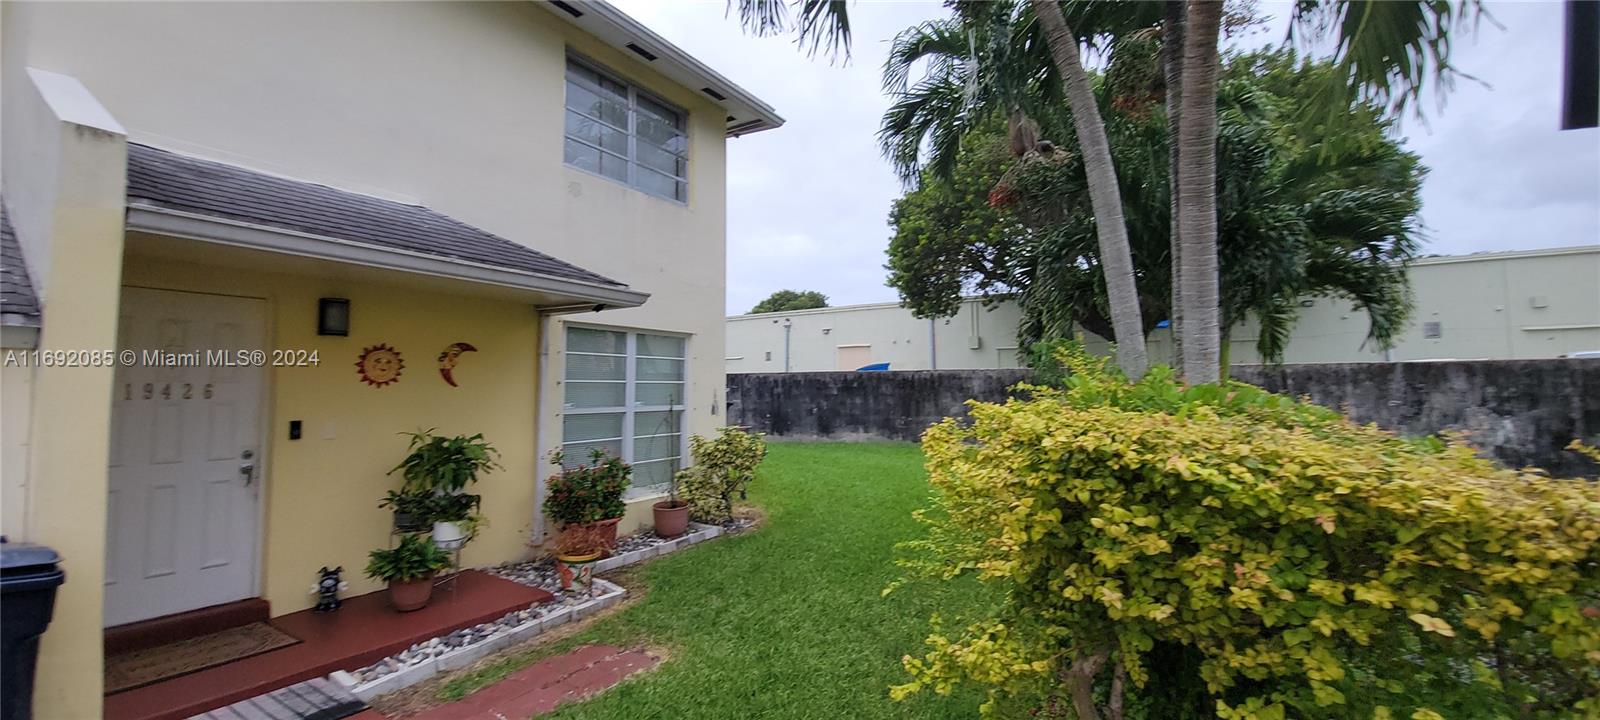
(713, 93)
(641, 52)
(568, 9)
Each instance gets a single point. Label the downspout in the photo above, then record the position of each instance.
(933, 347)
(788, 327)
(542, 376)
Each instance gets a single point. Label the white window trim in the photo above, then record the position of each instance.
(631, 162)
(629, 408)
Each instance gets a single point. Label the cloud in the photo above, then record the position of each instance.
(808, 203)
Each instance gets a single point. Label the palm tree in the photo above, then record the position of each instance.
(1386, 51)
(1172, 73)
(1197, 192)
(998, 59)
(1116, 260)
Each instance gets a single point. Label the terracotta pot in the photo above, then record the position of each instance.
(672, 517)
(408, 595)
(604, 531)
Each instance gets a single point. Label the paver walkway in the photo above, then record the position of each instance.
(316, 699)
(539, 688)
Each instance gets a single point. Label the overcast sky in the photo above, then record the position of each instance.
(808, 203)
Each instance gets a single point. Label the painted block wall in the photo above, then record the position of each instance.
(1513, 305)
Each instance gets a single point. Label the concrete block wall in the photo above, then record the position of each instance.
(1521, 412)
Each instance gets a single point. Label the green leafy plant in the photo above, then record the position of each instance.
(445, 464)
(1305, 565)
(723, 467)
(437, 471)
(587, 493)
(415, 558)
(456, 508)
(418, 506)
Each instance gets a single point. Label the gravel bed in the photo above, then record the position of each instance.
(539, 574)
(535, 573)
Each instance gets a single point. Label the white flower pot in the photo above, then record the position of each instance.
(449, 535)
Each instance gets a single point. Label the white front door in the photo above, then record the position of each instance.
(183, 516)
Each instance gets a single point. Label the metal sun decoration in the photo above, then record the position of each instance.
(380, 365)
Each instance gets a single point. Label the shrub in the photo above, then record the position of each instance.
(587, 493)
(1312, 567)
(723, 467)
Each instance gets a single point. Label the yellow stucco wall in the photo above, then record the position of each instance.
(321, 492)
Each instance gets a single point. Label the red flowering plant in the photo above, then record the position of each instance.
(587, 493)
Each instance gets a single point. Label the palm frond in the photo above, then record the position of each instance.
(1387, 50)
(1276, 322)
(820, 25)
(940, 42)
(936, 111)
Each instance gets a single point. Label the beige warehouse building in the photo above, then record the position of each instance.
(1505, 305)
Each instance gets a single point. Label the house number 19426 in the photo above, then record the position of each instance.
(166, 391)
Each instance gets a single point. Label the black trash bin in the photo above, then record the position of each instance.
(29, 576)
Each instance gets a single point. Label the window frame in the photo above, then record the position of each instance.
(632, 163)
(630, 407)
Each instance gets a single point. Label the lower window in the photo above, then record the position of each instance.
(624, 397)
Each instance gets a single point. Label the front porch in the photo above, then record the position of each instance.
(364, 630)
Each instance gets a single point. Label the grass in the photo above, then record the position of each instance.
(788, 621)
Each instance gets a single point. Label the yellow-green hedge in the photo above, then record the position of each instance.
(1321, 569)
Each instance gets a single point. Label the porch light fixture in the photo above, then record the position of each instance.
(333, 316)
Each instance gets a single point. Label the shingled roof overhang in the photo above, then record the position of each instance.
(19, 305)
(180, 196)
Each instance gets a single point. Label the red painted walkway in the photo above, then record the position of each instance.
(365, 630)
(541, 687)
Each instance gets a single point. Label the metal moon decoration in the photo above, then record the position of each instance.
(380, 365)
(448, 359)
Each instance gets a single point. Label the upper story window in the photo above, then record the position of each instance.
(616, 130)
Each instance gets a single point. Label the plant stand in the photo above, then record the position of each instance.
(455, 559)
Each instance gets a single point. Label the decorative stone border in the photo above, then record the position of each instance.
(424, 664)
(698, 533)
(426, 659)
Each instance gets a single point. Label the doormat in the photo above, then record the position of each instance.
(164, 662)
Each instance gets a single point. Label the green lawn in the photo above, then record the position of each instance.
(788, 621)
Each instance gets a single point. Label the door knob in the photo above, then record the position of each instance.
(248, 467)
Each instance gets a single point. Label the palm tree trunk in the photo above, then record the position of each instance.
(1197, 188)
(1172, 67)
(1224, 356)
(1116, 260)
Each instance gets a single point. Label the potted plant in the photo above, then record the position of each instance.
(577, 550)
(440, 469)
(409, 568)
(455, 519)
(411, 509)
(671, 514)
(589, 496)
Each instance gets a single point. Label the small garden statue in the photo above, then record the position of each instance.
(327, 589)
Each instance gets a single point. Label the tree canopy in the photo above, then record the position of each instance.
(790, 300)
(1305, 209)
